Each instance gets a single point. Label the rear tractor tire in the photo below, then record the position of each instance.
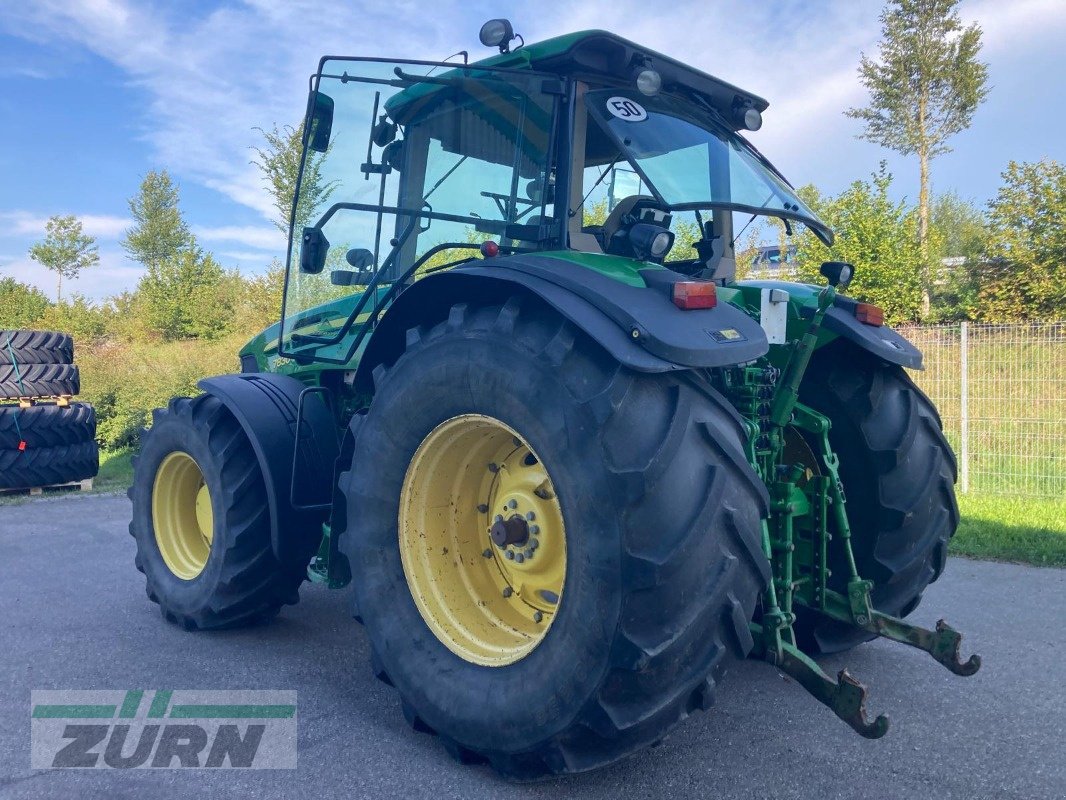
(898, 472)
(555, 558)
(201, 523)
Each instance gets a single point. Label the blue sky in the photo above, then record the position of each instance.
(94, 93)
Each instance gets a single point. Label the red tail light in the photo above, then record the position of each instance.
(870, 314)
(695, 294)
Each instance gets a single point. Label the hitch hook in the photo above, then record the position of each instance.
(845, 697)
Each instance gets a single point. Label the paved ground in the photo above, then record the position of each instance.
(73, 615)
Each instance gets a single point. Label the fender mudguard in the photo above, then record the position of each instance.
(266, 405)
(640, 327)
(840, 320)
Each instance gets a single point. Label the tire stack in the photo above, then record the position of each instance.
(45, 439)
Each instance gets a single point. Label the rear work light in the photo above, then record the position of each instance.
(870, 314)
(694, 294)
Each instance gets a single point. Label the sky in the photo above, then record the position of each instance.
(95, 93)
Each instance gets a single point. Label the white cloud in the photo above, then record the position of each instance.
(27, 223)
(212, 76)
(264, 238)
(112, 275)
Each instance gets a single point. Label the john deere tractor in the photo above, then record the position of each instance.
(573, 469)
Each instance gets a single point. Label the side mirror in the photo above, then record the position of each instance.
(319, 124)
(838, 273)
(313, 250)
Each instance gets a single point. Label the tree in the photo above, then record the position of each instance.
(65, 250)
(186, 296)
(160, 231)
(20, 305)
(279, 162)
(960, 231)
(924, 89)
(1027, 275)
(875, 234)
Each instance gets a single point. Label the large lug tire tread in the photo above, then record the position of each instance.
(46, 425)
(38, 380)
(242, 583)
(674, 556)
(898, 472)
(48, 466)
(36, 347)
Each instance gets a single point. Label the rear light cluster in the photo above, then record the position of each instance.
(688, 295)
(869, 314)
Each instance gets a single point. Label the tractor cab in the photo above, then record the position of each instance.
(585, 143)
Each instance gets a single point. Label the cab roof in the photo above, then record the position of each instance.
(605, 58)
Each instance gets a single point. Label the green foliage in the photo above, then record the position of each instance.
(279, 162)
(186, 296)
(961, 236)
(924, 88)
(20, 305)
(875, 234)
(159, 232)
(65, 249)
(78, 317)
(927, 82)
(1027, 276)
(125, 380)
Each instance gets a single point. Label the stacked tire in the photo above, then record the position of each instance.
(45, 439)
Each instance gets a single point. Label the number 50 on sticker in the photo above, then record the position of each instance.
(629, 110)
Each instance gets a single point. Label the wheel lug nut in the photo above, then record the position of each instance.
(534, 529)
(528, 552)
(519, 558)
(507, 591)
(509, 555)
(534, 544)
(530, 516)
(512, 504)
(499, 518)
(537, 616)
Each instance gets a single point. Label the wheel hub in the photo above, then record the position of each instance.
(482, 540)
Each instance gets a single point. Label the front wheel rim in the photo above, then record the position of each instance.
(182, 516)
(482, 540)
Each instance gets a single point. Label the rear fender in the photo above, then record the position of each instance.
(265, 405)
(640, 327)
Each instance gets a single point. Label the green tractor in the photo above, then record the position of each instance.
(573, 477)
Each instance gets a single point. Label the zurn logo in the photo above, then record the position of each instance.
(162, 729)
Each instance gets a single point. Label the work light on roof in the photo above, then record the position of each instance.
(497, 33)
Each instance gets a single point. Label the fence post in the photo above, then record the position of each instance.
(964, 407)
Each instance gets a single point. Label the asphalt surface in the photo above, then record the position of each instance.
(73, 614)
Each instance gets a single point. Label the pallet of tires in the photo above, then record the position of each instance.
(45, 438)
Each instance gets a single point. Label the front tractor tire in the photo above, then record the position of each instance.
(200, 521)
(555, 558)
(898, 472)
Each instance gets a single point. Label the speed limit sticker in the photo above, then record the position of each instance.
(629, 110)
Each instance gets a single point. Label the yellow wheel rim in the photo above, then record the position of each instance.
(482, 540)
(181, 515)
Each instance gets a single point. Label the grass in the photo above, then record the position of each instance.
(116, 471)
(1023, 529)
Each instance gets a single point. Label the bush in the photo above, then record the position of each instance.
(20, 305)
(125, 381)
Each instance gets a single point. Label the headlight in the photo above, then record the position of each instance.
(649, 82)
